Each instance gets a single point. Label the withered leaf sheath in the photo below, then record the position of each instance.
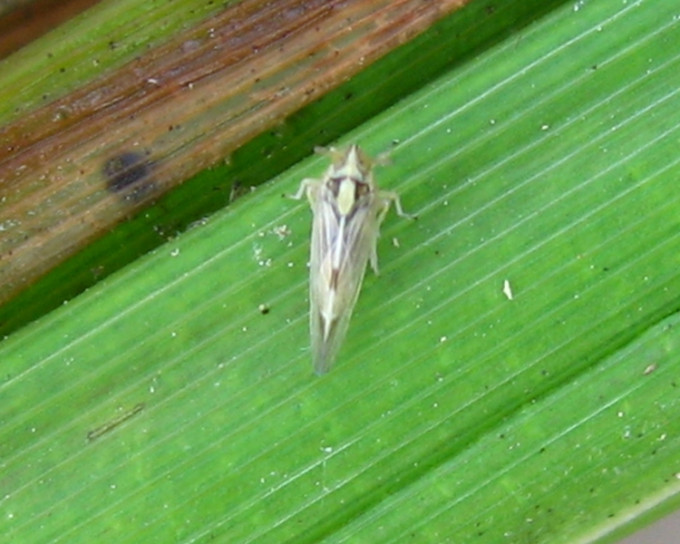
(348, 208)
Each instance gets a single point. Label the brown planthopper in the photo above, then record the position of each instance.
(348, 208)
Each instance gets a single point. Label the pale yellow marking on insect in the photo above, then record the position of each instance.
(346, 198)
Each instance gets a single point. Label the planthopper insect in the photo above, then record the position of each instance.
(348, 208)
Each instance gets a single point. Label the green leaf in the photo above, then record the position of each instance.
(164, 406)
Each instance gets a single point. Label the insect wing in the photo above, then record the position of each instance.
(341, 247)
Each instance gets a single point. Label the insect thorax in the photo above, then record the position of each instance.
(348, 193)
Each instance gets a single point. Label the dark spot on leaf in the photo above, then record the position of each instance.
(129, 173)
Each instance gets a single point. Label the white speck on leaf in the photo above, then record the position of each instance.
(507, 289)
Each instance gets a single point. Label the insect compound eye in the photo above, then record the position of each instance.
(360, 189)
(333, 185)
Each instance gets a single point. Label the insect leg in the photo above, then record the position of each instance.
(386, 197)
(391, 196)
(373, 258)
(307, 186)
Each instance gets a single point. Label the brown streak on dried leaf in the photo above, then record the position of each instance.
(177, 110)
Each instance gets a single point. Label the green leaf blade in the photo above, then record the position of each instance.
(454, 413)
